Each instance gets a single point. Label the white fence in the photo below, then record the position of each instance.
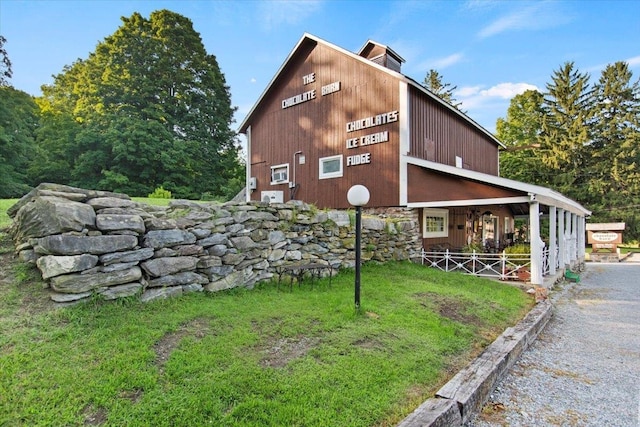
(501, 266)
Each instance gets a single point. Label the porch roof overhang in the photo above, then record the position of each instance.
(529, 192)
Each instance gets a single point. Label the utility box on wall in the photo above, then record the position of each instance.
(253, 183)
(272, 196)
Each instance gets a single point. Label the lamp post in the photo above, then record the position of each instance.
(358, 196)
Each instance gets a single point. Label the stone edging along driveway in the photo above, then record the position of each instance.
(463, 396)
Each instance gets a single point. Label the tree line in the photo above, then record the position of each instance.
(581, 139)
(148, 108)
(578, 138)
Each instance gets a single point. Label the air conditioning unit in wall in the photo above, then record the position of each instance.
(272, 196)
(279, 176)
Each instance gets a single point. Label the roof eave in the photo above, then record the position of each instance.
(538, 193)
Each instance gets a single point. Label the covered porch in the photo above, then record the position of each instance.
(490, 203)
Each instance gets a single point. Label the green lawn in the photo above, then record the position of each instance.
(150, 201)
(5, 204)
(246, 358)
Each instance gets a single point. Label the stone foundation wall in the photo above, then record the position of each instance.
(87, 243)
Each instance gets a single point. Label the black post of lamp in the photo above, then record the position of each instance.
(358, 196)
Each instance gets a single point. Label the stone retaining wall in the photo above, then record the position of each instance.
(87, 242)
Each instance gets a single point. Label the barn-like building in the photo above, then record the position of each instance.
(330, 119)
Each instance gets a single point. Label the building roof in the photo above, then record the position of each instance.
(385, 47)
(531, 192)
(306, 38)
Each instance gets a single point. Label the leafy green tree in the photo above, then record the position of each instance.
(18, 123)
(433, 82)
(151, 109)
(5, 64)
(521, 132)
(565, 130)
(614, 162)
(55, 151)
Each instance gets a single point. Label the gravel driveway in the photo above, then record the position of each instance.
(584, 369)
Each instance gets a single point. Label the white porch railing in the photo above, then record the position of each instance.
(502, 266)
(546, 268)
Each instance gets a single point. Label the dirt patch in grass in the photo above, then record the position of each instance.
(20, 282)
(132, 395)
(369, 343)
(277, 353)
(275, 348)
(198, 328)
(448, 307)
(94, 416)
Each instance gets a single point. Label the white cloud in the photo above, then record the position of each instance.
(507, 90)
(274, 13)
(468, 91)
(633, 62)
(536, 16)
(253, 80)
(436, 63)
(447, 61)
(475, 97)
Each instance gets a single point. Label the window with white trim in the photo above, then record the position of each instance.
(330, 167)
(280, 174)
(435, 223)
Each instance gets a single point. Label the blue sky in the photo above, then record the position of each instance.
(491, 50)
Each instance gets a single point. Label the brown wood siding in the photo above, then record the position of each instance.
(429, 186)
(373, 50)
(318, 129)
(439, 135)
(457, 237)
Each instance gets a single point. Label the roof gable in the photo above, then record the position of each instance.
(308, 40)
(382, 55)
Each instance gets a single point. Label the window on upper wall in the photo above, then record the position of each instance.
(459, 162)
(435, 223)
(280, 174)
(330, 167)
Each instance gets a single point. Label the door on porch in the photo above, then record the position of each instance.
(490, 234)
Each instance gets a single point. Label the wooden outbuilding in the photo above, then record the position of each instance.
(330, 119)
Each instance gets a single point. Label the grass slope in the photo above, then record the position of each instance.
(245, 358)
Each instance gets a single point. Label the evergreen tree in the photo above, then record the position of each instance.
(565, 133)
(151, 108)
(5, 64)
(433, 82)
(614, 164)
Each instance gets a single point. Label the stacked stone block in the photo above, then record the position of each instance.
(90, 243)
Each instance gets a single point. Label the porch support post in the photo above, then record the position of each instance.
(553, 239)
(581, 237)
(536, 243)
(248, 167)
(574, 237)
(567, 239)
(561, 241)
